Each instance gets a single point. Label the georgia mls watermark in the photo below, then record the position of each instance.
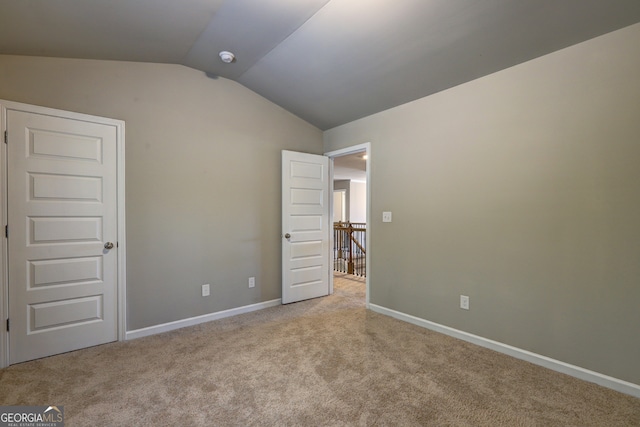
(31, 416)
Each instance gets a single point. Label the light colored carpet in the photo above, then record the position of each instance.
(326, 361)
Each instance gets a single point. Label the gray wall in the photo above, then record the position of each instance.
(202, 176)
(358, 201)
(521, 190)
(355, 199)
(344, 184)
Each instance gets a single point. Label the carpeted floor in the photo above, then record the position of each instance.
(321, 362)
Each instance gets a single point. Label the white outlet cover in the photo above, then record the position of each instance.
(206, 290)
(386, 216)
(464, 302)
(252, 282)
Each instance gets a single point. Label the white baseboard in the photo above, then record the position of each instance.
(547, 362)
(166, 327)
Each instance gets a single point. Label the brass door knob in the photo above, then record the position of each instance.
(108, 245)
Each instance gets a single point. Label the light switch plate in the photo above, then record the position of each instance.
(206, 289)
(386, 216)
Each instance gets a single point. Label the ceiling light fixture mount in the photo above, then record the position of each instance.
(227, 57)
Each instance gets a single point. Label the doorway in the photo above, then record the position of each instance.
(350, 172)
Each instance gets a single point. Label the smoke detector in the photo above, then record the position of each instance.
(227, 57)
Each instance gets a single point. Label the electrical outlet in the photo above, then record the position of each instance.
(464, 302)
(252, 282)
(206, 290)
(386, 216)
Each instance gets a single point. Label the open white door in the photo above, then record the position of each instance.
(305, 226)
(62, 222)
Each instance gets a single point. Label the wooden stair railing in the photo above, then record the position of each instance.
(349, 247)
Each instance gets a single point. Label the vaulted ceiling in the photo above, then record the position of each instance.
(327, 61)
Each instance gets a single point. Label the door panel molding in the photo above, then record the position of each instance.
(90, 156)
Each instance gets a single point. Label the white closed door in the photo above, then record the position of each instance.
(62, 207)
(305, 226)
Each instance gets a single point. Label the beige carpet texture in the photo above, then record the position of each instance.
(323, 362)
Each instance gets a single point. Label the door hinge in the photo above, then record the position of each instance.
(7, 324)
(6, 138)
(6, 231)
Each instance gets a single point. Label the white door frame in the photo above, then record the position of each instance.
(366, 147)
(121, 276)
